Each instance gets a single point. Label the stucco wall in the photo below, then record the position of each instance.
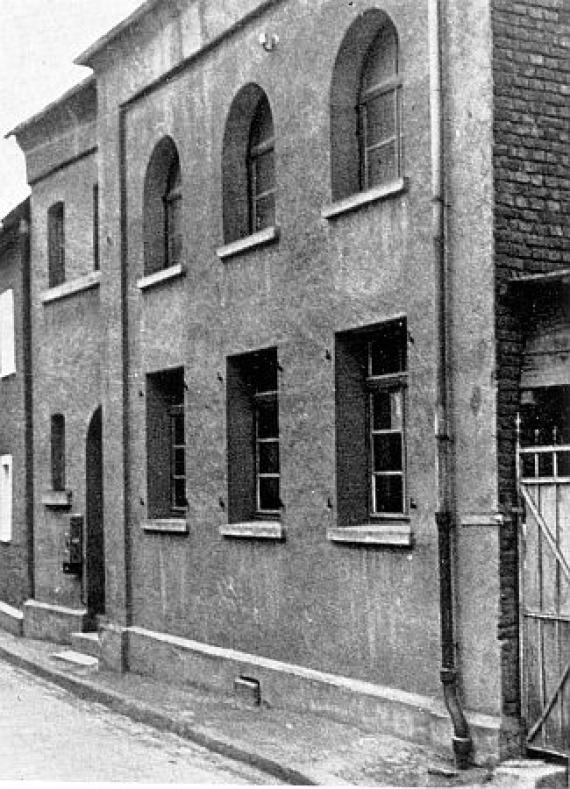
(66, 347)
(365, 612)
(14, 554)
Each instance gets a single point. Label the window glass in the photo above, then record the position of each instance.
(261, 168)
(56, 245)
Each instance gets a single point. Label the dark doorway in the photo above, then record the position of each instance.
(94, 549)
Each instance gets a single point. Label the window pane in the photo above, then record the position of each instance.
(178, 429)
(388, 352)
(269, 493)
(264, 172)
(546, 464)
(267, 419)
(264, 212)
(265, 373)
(563, 460)
(381, 60)
(381, 164)
(179, 493)
(269, 458)
(387, 410)
(389, 494)
(380, 118)
(527, 465)
(388, 452)
(179, 462)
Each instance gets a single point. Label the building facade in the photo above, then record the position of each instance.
(277, 352)
(16, 537)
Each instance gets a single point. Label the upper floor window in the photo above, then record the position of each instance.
(5, 498)
(366, 133)
(162, 220)
(58, 452)
(7, 336)
(56, 244)
(248, 166)
(261, 168)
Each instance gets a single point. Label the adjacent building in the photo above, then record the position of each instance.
(299, 315)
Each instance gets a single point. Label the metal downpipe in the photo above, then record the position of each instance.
(462, 743)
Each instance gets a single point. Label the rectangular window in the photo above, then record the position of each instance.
(7, 335)
(96, 264)
(58, 452)
(56, 245)
(5, 498)
(253, 436)
(371, 379)
(166, 444)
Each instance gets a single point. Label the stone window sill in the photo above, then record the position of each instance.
(265, 236)
(254, 530)
(166, 525)
(352, 203)
(66, 289)
(158, 277)
(394, 533)
(57, 499)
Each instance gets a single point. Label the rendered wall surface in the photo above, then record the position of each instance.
(66, 348)
(14, 579)
(370, 613)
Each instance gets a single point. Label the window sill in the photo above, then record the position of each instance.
(66, 289)
(166, 525)
(352, 203)
(398, 534)
(265, 236)
(158, 277)
(254, 530)
(57, 499)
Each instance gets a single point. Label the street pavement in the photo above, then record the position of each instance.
(47, 734)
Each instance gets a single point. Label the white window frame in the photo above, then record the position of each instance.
(5, 498)
(7, 334)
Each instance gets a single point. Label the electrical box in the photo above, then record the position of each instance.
(73, 560)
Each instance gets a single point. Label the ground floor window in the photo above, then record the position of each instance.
(253, 436)
(166, 444)
(370, 389)
(545, 433)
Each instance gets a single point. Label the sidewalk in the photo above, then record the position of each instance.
(297, 749)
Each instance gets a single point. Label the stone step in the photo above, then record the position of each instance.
(88, 643)
(78, 661)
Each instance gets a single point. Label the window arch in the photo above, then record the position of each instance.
(248, 165)
(366, 134)
(162, 210)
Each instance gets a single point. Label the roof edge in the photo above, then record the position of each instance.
(85, 57)
(13, 217)
(75, 89)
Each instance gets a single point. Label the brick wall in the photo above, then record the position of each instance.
(531, 65)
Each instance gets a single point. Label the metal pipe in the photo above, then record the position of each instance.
(462, 744)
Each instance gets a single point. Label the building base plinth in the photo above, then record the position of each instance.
(11, 619)
(372, 707)
(52, 622)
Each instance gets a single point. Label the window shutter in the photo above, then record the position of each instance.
(7, 338)
(5, 498)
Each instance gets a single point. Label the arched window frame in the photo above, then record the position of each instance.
(173, 216)
(261, 168)
(162, 209)
(351, 96)
(248, 202)
(387, 88)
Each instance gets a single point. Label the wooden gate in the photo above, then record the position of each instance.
(544, 486)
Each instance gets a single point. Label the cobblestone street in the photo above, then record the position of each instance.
(49, 735)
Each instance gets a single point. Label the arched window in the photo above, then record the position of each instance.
(162, 220)
(248, 165)
(366, 134)
(58, 452)
(261, 168)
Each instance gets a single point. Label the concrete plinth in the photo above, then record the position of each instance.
(52, 622)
